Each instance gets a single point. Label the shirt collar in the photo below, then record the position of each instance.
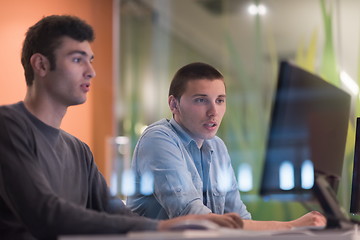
(186, 138)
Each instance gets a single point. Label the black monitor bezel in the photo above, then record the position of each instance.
(289, 72)
(355, 185)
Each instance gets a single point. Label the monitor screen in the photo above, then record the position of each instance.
(307, 135)
(355, 191)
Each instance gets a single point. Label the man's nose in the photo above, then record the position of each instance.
(212, 111)
(90, 73)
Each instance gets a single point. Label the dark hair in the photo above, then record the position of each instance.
(45, 37)
(192, 72)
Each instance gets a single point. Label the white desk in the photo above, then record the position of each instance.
(228, 234)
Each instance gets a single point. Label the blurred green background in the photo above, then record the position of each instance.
(157, 37)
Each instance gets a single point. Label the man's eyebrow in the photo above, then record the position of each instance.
(199, 95)
(205, 95)
(80, 52)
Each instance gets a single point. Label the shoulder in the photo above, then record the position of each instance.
(14, 116)
(12, 110)
(159, 128)
(158, 137)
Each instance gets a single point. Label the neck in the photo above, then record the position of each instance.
(44, 110)
(199, 142)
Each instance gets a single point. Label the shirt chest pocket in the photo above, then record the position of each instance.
(217, 200)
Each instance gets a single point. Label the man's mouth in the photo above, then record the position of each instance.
(85, 86)
(210, 124)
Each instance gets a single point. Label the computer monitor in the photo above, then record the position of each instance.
(306, 140)
(355, 190)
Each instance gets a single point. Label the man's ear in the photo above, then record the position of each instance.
(173, 104)
(40, 64)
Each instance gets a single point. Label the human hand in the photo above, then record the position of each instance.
(312, 218)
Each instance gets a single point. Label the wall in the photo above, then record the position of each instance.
(92, 122)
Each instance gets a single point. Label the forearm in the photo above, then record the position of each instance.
(310, 219)
(266, 225)
(228, 220)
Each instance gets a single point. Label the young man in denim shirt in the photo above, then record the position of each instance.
(188, 161)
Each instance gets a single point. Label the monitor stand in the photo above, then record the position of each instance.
(334, 213)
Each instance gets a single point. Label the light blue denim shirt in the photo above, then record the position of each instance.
(180, 170)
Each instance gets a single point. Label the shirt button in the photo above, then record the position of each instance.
(178, 190)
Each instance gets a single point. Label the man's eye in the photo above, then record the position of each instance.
(221, 100)
(77, 60)
(200, 100)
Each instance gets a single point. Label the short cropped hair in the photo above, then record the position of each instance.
(192, 72)
(45, 37)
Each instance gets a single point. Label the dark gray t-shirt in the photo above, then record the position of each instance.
(50, 184)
